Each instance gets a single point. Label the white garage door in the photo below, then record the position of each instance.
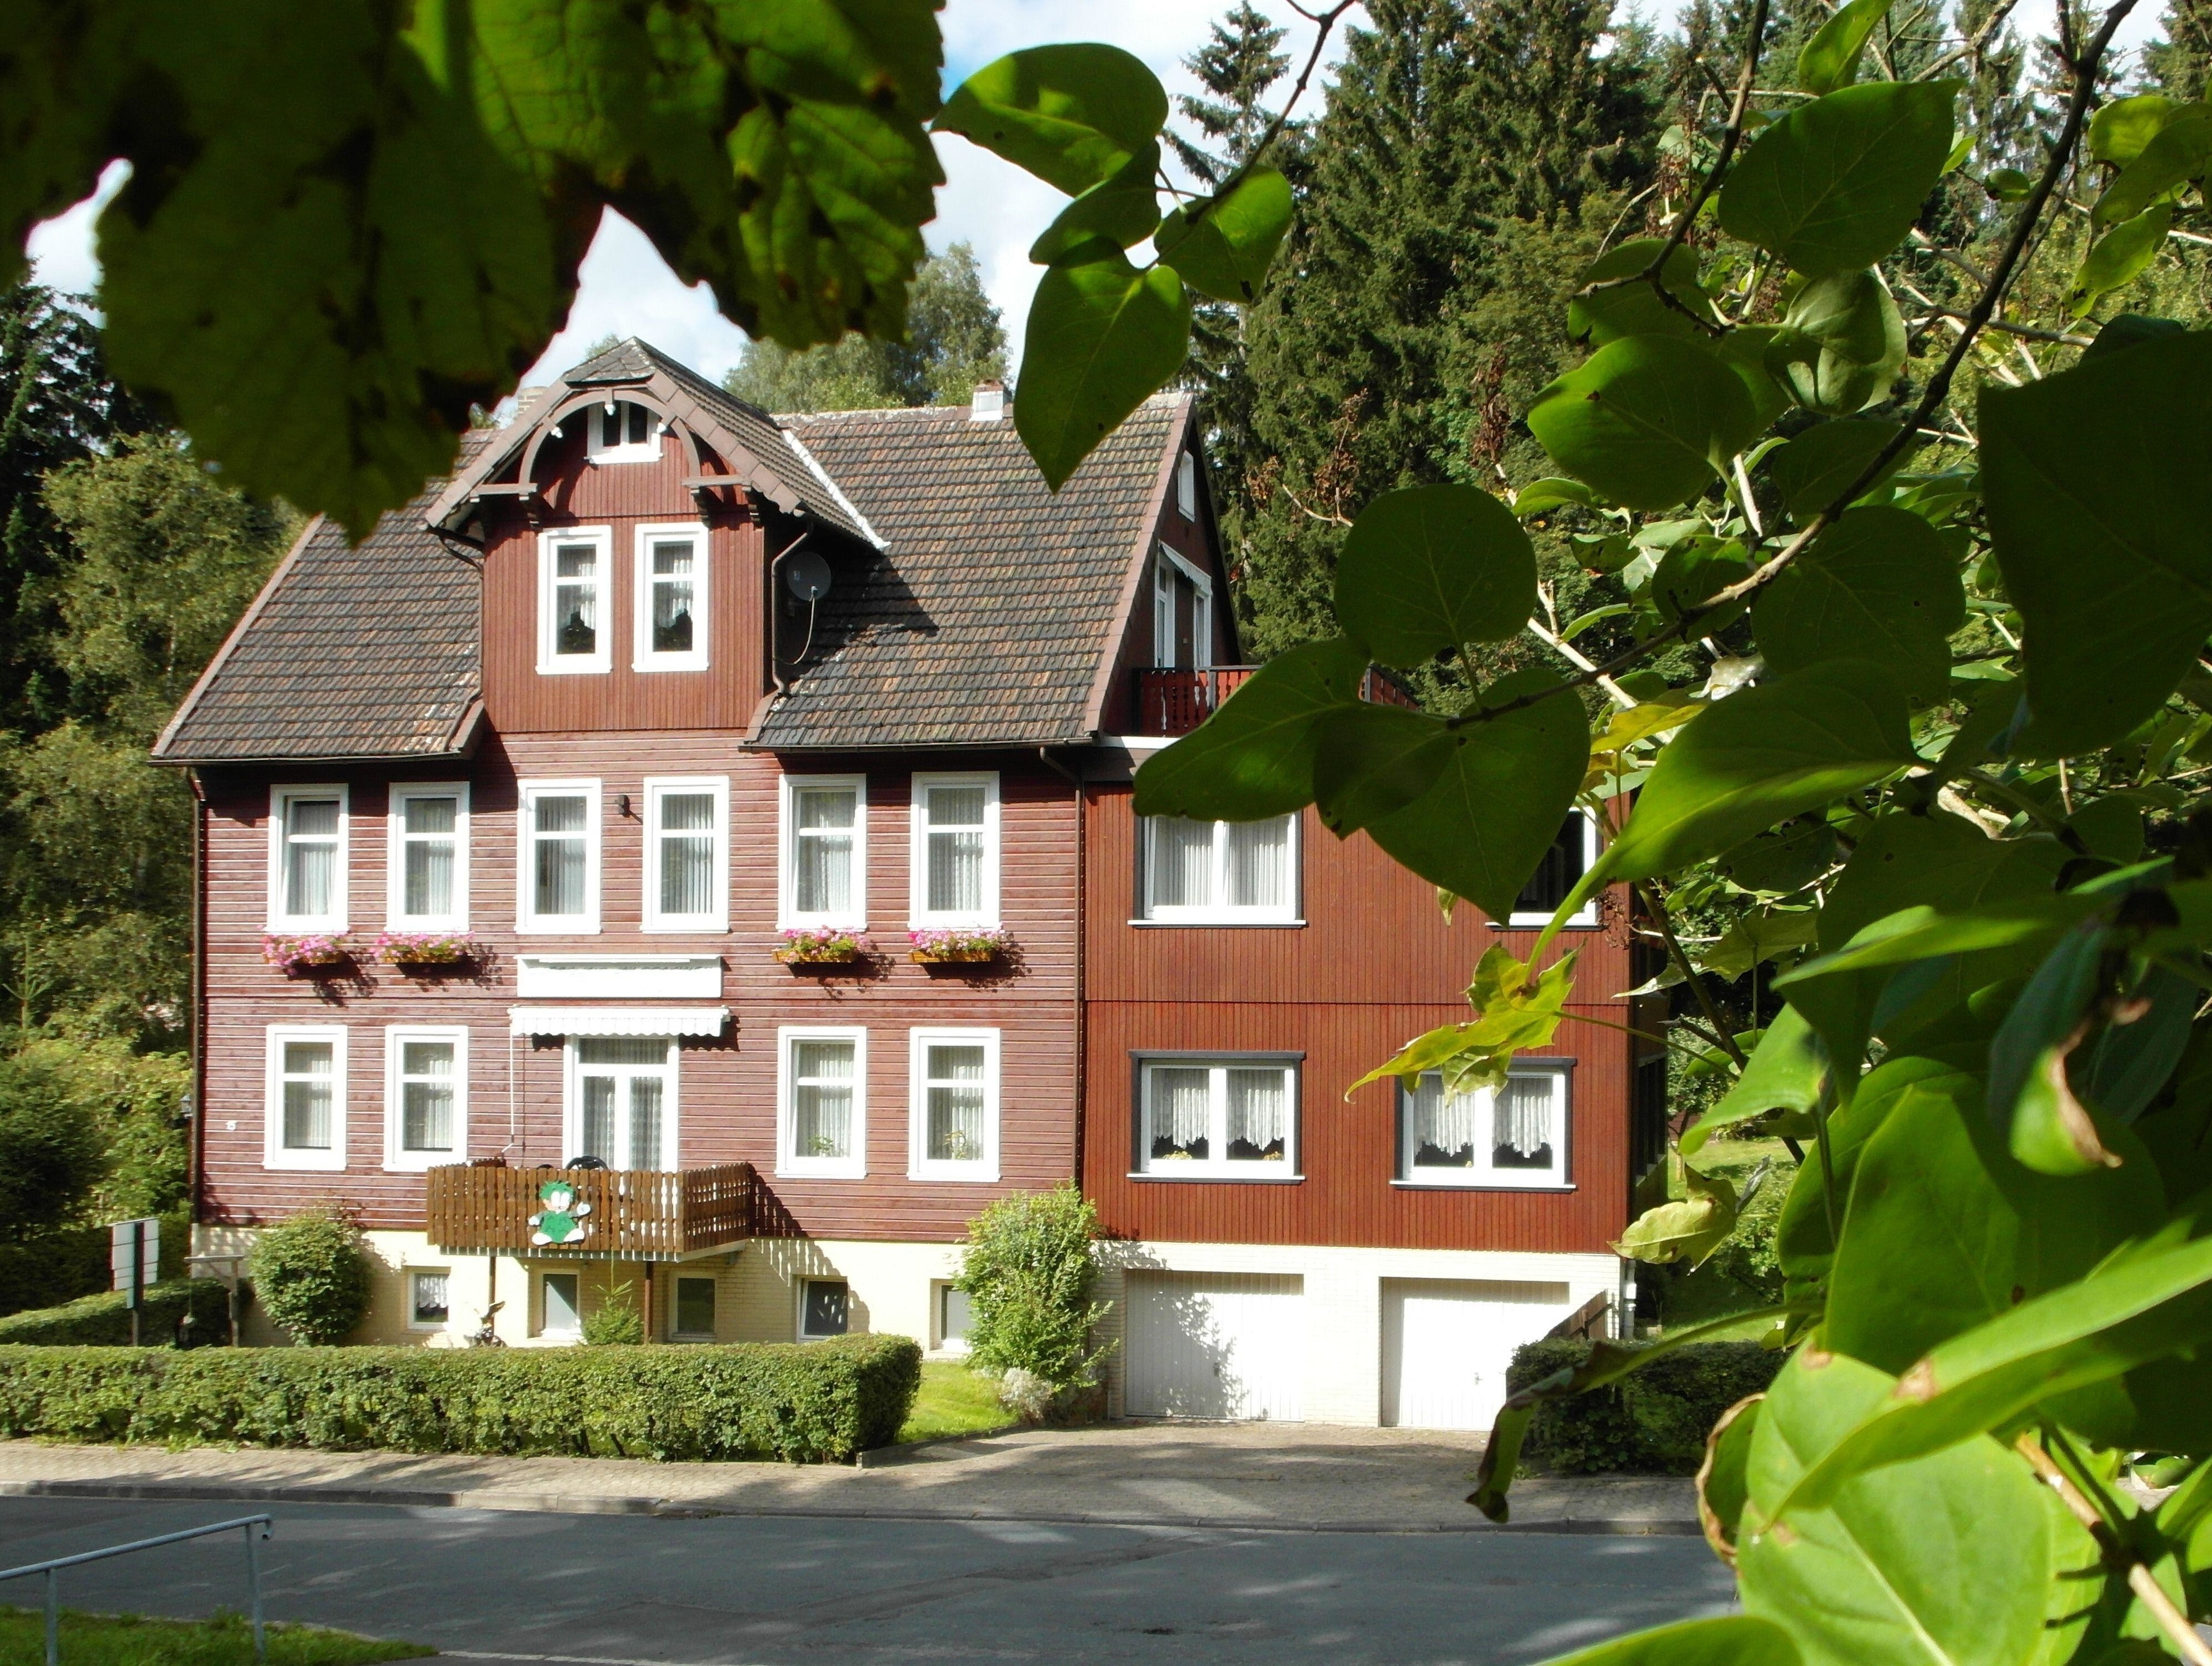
(1446, 1343)
(1229, 1345)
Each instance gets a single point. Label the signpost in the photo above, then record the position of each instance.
(134, 1256)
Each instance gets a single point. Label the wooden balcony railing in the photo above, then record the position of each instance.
(636, 1214)
(1176, 702)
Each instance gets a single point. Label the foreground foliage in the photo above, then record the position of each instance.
(130, 1639)
(1029, 1272)
(1652, 1422)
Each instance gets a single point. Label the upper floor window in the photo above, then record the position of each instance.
(1220, 873)
(686, 859)
(1514, 1136)
(304, 1105)
(1233, 1118)
(623, 431)
(825, 850)
(621, 1103)
(557, 867)
(1186, 486)
(427, 857)
(671, 604)
(954, 1112)
(426, 1096)
(1562, 869)
(955, 850)
(307, 858)
(822, 1102)
(573, 616)
(1182, 614)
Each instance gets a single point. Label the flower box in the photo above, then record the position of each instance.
(427, 951)
(822, 946)
(955, 948)
(307, 957)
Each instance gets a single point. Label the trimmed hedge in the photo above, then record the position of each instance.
(103, 1320)
(59, 1266)
(814, 1402)
(1653, 1421)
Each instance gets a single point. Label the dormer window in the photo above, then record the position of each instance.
(572, 599)
(622, 432)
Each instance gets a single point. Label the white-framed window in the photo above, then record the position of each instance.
(426, 1096)
(557, 862)
(305, 1100)
(575, 623)
(430, 1298)
(822, 1101)
(825, 1309)
(695, 1310)
(1219, 873)
(670, 603)
(1232, 1118)
(1571, 855)
(1186, 486)
(1164, 615)
(622, 431)
(620, 1106)
(687, 853)
(954, 861)
(427, 856)
(307, 846)
(1515, 1136)
(1180, 587)
(953, 1316)
(824, 851)
(953, 1107)
(560, 1304)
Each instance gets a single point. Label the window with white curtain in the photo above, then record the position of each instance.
(557, 885)
(621, 1100)
(955, 858)
(1217, 1118)
(426, 1096)
(1219, 873)
(822, 1102)
(305, 1101)
(954, 1108)
(427, 855)
(1514, 1136)
(669, 605)
(825, 850)
(575, 622)
(687, 854)
(430, 1299)
(308, 837)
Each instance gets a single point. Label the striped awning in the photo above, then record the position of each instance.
(618, 1020)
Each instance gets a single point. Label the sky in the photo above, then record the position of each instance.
(627, 290)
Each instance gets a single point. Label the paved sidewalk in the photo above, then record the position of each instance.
(1250, 1474)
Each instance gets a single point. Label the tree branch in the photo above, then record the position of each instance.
(1691, 975)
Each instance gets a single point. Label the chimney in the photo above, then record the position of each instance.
(990, 404)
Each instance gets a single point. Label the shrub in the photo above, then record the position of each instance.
(811, 1402)
(50, 1149)
(71, 1262)
(103, 1320)
(1654, 1421)
(311, 1275)
(615, 1320)
(1028, 1272)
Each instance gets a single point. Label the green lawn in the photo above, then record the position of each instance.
(125, 1639)
(955, 1400)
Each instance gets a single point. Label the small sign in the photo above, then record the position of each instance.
(134, 1255)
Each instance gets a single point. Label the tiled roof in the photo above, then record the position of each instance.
(327, 665)
(986, 618)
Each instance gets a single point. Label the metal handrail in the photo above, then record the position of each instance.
(52, 1570)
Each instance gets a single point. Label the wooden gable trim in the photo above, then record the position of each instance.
(1133, 580)
(245, 622)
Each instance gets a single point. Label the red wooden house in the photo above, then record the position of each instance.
(560, 752)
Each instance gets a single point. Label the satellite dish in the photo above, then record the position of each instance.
(806, 575)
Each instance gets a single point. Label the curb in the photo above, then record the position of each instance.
(565, 1504)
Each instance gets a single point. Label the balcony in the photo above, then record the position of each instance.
(634, 1215)
(1176, 702)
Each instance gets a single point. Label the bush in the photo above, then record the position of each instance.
(50, 1150)
(311, 1275)
(811, 1402)
(71, 1262)
(103, 1320)
(615, 1321)
(1653, 1421)
(1029, 1273)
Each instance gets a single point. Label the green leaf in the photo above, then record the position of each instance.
(1734, 1641)
(1539, 496)
(1505, 787)
(58, 77)
(1123, 208)
(1255, 757)
(1786, 860)
(1878, 585)
(1102, 337)
(2098, 483)
(2126, 329)
(2009, 185)
(1646, 421)
(1517, 1011)
(1687, 1229)
(2119, 256)
(1073, 115)
(2133, 1061)
(1820, 464)
(1837, 183)
(1431, 567)
(1370, 760)
(1788, 1072)
(1695, 570)
(1635, 309)
(1922, 933)
(1744, 350)
(1227, 252)
(1841, 345)
(2176, 154)
(2048, 1128)
(1939, 1562)
(1724, 1479)
(1831, 59)
(2120, 130)
(1939, 860)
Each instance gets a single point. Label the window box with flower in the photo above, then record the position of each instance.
(320, 955)
(428, 951)
(823, 946)
(955, 947)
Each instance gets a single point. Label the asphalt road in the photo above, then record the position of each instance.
(771, 1591)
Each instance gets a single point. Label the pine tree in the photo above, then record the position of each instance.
(2179, 64)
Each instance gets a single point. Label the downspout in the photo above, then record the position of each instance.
(1082, 954)
(195, 1157)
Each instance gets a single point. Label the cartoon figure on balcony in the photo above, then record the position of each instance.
(562, 1220)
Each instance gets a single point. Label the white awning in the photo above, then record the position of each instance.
(618, 1020)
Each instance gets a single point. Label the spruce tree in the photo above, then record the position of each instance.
(2178, 64)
